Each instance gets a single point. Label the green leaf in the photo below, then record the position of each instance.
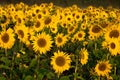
(4, 67)
(2, 78)
(50, 75)
(5, 60)
(33, 63)
(40, 76)
(64, 78)
(42, 71)
(29, 77)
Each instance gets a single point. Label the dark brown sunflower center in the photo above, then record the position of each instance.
(77, 16)
(82, 56)
(68, 19)
(102, 67)
(37, 24)
(71, 29)
(104, 25)
(112, 45)
(5, 38)
(39, 16)
(19, 20)
(60, 61)
(53, 29)
(59, 39)
(79, 35)
(21, 33)
(47, 20)
(96, 29)
(37, 11)
(41, 42)
(114, 34)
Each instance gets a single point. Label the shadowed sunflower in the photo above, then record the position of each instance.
(22, 33)
(42, 43)
(113, 32)
(103, 68)
(113, 46)
(48, 21)
(95, 31)
(60, 62)
(38, 26)
(60, 40)
(7, 39)
(83, 56)
(71, 29)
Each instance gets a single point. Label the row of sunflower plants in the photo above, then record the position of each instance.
(49, 42)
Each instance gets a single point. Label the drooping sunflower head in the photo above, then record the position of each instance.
(103, 68)
(84, 56)
(42, 43)
(60, 62)
(7, 39)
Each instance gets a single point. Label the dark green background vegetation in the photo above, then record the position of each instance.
(64, 3)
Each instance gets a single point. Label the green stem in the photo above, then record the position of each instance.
(12, 65)
(99, 78)
(6, 53)
(115, 70)
(38, 64)
(95, 46)
(76, 68)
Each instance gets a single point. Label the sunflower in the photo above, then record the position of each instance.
(60, 40)
(22, 32)
(40, 16)
(80, 35)
(69, 18)
(103, 68)
(7, 39)
(113, 46)
(83, 56)
(112, 32)
(4, 20)
(71, 29)
(54, 28)
(78, 16)
(42, 43)
(48, 21)
(95, 31)
(60, 62)
(38, 25)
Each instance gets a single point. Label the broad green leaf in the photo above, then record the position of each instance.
(50, 75)
(4, 67)
(29, 78)
(64, 78)
(5, 60)
(40, 76)
(33, 63)
(2, 78)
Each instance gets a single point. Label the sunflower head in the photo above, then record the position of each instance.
(7, 39)
(103, 68)
(60, 40)
(60, 62)
(42, 43)
(83, 56)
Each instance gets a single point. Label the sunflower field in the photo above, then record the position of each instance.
(49, 42)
